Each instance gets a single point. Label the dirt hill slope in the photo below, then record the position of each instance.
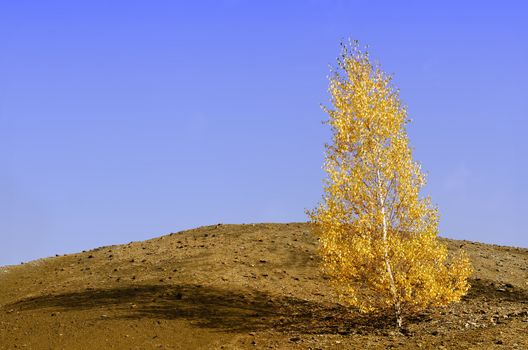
(240, 286)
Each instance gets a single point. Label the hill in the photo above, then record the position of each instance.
(237, 287)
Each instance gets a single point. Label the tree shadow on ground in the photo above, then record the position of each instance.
(494, 291)
(215, 308)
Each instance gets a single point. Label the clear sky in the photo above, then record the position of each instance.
(126, 120)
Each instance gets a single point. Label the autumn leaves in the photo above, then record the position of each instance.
(378, 236)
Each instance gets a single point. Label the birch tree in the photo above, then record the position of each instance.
(378, 236)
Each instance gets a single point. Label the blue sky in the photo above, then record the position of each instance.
(125, 120)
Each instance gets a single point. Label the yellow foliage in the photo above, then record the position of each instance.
(378, 236)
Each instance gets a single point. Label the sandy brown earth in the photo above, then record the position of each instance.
(238, 287)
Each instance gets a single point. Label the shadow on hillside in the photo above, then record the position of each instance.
(491, 290)
(231, 311)
(236, 311)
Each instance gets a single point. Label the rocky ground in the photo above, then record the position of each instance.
(239, 287)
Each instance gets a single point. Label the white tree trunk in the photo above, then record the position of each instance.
(397, 305)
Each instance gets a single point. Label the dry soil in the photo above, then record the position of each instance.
(254, 286)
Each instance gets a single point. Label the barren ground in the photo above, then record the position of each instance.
(237, 287)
